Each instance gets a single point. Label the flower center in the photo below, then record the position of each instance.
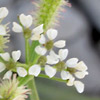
(11, 64)
(27, 33)
(42, 60)
(49, 45)
(60, 65)
(71, 70)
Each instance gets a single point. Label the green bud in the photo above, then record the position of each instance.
(60, 65)
(27, 33)
(42, 60)
(49, 45)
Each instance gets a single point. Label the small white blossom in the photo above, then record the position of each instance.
(3, 12)
(54, 59)
(16, 56)
(51, 34)
(81, 68)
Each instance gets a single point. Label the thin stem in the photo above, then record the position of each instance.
(30, 83)
(53, 78)
(27, 50)
(32, 86)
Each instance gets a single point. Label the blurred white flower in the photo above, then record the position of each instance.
(11, 64)
(3, 12)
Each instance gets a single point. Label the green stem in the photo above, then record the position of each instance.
(32, 86)
(27, 50)
(53, 78)
(31, 83)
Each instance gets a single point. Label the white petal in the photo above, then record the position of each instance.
(26, 21)
(16, 55)
(21, 71)
(52, 60)
(71, 80)
(35, 70)
(8, 75)
(2, 67)
(81, 66)
(36, 37)
(5, 56)
(81, 75)
(79, 86)
(60, 44)
(2, 30)
(72, 62)
(38, 30)
(3, 12)
(42, 40)
(52, 34)
(17, 27)
(63, 53)
(40, 50)
(64, 75)
(53, 54)
(50, 71)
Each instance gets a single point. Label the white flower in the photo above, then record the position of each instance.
(54, 59)
(26, 21)
(79, 86)
(3, 12)
(16, 56)
(48, 45)
(2, 30)
(81, 68)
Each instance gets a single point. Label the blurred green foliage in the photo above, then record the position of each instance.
(51, 90)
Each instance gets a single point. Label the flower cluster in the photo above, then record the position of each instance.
(9, 90)
(48, 60)
(11, 64)
(3, 29)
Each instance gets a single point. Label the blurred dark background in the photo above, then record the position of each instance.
(80, 26)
